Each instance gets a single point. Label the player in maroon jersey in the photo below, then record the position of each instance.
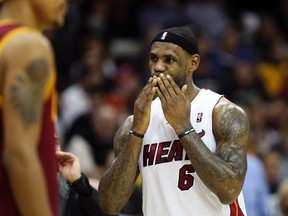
(28, 184)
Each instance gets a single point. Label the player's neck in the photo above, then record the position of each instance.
(193, 90)
(20, 12)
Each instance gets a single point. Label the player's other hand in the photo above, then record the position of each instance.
(142, 106)
(69, 166)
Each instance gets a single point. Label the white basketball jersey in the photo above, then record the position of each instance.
(171, 187)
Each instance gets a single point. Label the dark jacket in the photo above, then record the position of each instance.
(79, 198)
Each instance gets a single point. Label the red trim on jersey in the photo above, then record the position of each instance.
(7, 28)
(235, 209)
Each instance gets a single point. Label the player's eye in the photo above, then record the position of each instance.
(169, 60)
(153, 58)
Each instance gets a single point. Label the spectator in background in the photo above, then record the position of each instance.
(273, 69)
(94, 55)
(283, 197)
(255, 188)
(161, 12)
(266, 32)
(225, 57)
(272, 162)
(125, 90)
(75, 100)
(284, 166)
(204, 76)
(96, 21)
(245, 86)
(214, 23)
(91, 139)
(265, 136)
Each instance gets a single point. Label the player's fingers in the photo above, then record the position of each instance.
(175, 87)
(151, 94)
(162, 88)
(161, 97)
(64, 155)
(168, 84)
(147, 88)
(159, 94)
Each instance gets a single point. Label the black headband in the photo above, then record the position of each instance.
(166, 36)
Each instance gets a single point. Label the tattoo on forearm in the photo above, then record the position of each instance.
(26, 91)
(121, 186)
(128, 179)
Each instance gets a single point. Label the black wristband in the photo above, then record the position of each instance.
(186, 132)
(136, 134)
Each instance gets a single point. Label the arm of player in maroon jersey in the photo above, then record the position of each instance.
(28, 62)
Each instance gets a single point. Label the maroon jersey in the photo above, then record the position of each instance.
(46, 145)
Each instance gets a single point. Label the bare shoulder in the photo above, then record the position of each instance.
(25, 46)
(27, 66)
(230, 123)
(29, 55)
(122, 134)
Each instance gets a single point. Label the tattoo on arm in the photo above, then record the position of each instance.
(27, 90)
(117, 184)
(121, 135)
(119, 142)
(121, 138)
(38, 70)
(124, 165)
(233, 131)
(228, 165)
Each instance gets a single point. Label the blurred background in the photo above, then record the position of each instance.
(101, 57)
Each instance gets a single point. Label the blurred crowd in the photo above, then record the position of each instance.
(102, 56)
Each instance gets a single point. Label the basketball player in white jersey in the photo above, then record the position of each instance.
(188, 144)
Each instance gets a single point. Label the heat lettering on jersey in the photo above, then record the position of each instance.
(164, 152)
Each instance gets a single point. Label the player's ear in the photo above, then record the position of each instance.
(194, 62)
